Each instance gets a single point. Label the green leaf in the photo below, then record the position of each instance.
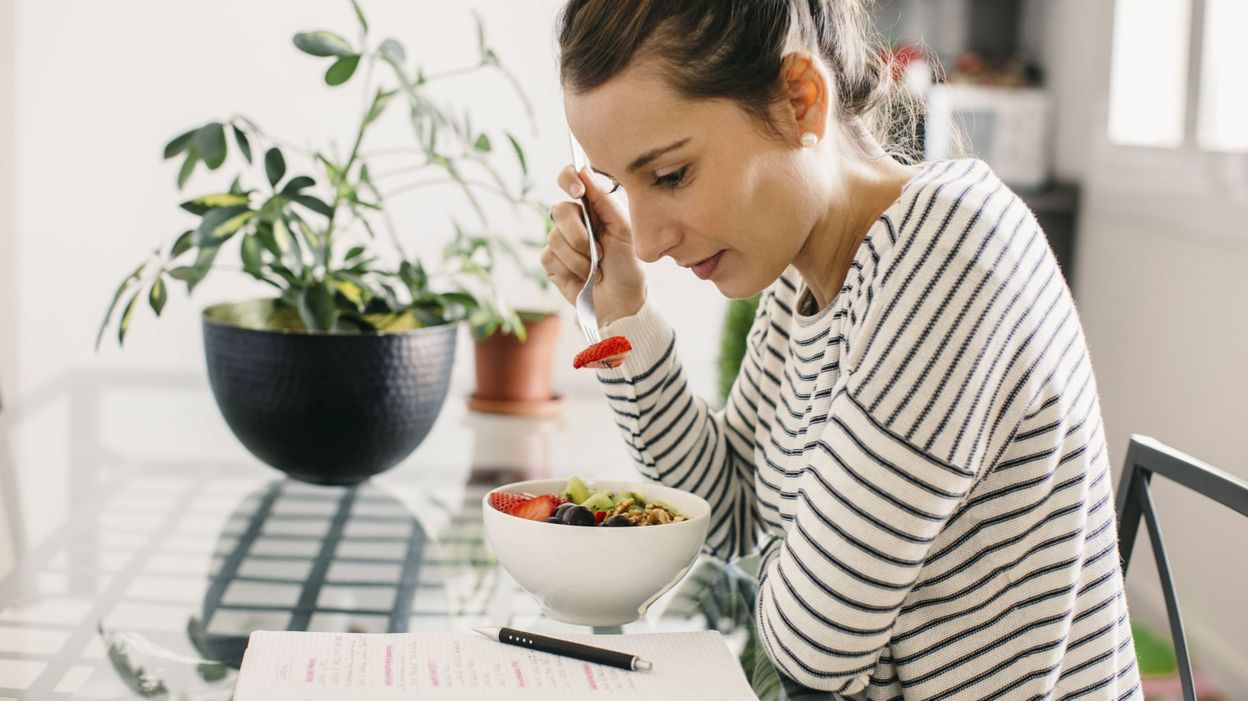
(221, 223)
(188, 166)
(274, 165)
(414, 276)
(236, 186)
(157, 296)
(331, 170)
(250, 251)
(182, 244)
(480, 33)
(392, 52)
(281, 237)
(272, 209)
(355, 292)
(182, 272)
(342, 70)
(201, 205)
(482, 144)
(354, 322)
(203, 265)
(379, 104)
(121, 290)
(210, 142)
(355, 252)
(315, 204)
(322, 43)
(461, 298)
(515, 146)
(243, 144)
(316, 307)
(296, 184)
(360, 15)
(124, 325)
(179, 144)
(288, 243)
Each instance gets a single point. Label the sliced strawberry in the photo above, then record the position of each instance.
(599, 516)
(505, 501)
(537, 508)
(608, 353)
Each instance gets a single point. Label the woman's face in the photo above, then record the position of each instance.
(704, 185)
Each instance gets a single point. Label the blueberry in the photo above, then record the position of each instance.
(552, 519)
(578, 516)
(617, 520)
(563, 508)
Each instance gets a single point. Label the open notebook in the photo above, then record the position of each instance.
(287, 665)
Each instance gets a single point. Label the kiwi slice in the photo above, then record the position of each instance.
(575, 491)
(599, 501)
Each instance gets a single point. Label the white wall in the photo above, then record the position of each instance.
(101, 86)
(8, 217)
(1069, 45)
(8, 270)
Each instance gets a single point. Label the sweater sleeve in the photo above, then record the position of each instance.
(674, 436)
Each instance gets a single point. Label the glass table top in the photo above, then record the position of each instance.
(148, 580)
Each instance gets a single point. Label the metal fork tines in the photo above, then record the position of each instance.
(585, 314)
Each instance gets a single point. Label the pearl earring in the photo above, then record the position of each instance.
(809, 140)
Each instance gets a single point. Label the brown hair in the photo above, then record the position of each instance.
(734, 49)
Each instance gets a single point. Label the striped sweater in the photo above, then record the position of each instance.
(922, 462)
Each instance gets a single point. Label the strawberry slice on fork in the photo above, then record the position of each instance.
(607, 353)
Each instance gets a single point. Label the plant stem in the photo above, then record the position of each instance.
(454, 72)
(401, 171)
(488, 187)
(346, 169)
(393, 151)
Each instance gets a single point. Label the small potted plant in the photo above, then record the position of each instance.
(342, 371)
(514, 356)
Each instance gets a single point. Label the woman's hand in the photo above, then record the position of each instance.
(620, 289)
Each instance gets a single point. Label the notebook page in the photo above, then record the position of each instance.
(287, 665)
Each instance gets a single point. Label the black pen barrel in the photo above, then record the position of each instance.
(566, 648)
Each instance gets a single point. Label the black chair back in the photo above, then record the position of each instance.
(1147, 457)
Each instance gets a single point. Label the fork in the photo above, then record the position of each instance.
(585, 314)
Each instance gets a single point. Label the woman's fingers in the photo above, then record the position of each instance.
(570, 182)
(570, 226)
(568, 284)
(573, 260)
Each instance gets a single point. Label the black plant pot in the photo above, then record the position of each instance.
(326, 408)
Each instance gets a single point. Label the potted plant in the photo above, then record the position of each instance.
(341, 373)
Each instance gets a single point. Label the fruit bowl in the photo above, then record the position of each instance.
(597, 576)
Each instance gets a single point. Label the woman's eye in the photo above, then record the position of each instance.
(671, 180)
(615, 186)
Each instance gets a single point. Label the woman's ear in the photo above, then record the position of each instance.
(807, 94)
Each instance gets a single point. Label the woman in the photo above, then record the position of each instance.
(914, 440)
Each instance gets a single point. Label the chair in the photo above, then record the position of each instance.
(1145, 458)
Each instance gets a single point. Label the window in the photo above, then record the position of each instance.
(1222, 109)
(1171, 86)
(1148, 72)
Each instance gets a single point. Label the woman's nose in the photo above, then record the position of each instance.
(652, 238)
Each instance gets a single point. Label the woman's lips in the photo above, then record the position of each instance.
(706, 268)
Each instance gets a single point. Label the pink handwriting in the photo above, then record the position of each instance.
(589, 677)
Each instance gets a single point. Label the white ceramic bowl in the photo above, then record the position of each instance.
(597, 576)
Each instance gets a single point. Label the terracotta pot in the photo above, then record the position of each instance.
(510, 372)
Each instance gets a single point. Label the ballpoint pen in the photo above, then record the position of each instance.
(567, 648)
